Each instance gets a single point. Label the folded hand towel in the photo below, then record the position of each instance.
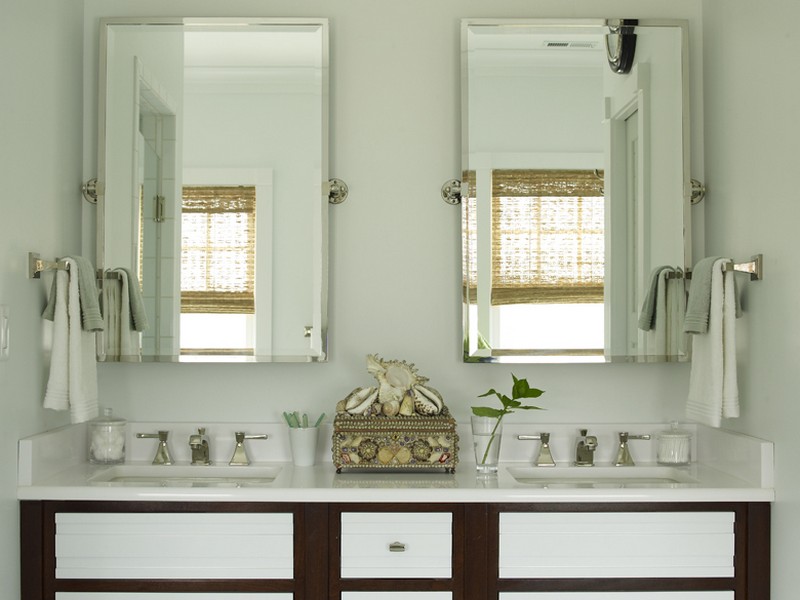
(713, 392)
(73, 367)
(648, 314)
(112, 289)
(698, 305)
(83, 271)
(657, 333)
(136, 304)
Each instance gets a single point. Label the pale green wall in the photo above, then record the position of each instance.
(40, 207)
(752, 155)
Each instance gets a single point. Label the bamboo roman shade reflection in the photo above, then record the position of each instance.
(218, 249)
(547, 237)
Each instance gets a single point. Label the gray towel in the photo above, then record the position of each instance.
(138, 313)
(647, 317)
(698, 306)
(91, 318)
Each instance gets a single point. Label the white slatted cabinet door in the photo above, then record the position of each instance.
(174, 546)
(635, 544)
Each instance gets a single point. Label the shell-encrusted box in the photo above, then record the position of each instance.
(399, 424)
(396, 443)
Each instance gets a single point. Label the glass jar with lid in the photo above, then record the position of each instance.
(106, 436)
(674, 446)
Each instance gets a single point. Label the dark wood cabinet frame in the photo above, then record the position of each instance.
(317, 540)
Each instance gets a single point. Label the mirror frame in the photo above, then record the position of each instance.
(100, 228)
(532, 355)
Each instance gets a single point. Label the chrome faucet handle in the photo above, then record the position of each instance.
(545, 458)
(162, 450)
(624, 458)
(239, 458)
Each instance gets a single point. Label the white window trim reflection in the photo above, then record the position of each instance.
(261, 178)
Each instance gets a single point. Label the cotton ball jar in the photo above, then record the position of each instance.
(106, 435)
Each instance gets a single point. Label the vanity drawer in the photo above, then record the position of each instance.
(602, 545)
(174, 545)
(396, 544)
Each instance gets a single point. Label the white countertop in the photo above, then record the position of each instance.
(52, 466)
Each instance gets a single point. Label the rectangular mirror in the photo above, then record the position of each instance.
(575, 188)
(212, 156)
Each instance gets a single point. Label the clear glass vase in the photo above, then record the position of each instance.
(486, 436)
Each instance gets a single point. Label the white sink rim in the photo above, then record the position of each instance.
(572, 476)
(185, 475)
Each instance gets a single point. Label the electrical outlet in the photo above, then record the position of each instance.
(4, 332)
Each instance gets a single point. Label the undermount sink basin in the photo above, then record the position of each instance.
(185, 476)
(602, 477)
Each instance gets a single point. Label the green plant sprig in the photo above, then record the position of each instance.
(520, 389)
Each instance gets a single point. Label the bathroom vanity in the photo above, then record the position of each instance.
(137, 532)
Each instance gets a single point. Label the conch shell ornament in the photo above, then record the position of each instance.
(400, 391)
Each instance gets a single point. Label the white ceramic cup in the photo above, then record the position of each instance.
(304, 445)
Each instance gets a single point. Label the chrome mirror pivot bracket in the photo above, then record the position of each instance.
(337, 191)
(698, 192)
(451, 191)
(91, 189)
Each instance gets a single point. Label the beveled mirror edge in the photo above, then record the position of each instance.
(547, 357)
(99, 217)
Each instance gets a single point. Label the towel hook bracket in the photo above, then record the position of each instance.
(755, 267)
(36, 265)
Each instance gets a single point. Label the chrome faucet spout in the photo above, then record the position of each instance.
(584, 449)
(198, 442)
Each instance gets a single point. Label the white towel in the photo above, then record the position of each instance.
(713, 387)
(666, 338)
(677, 340)
(122, 341)
(73, 366)
(56, 396)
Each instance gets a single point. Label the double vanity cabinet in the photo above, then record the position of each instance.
(311, 534)
(101, 550)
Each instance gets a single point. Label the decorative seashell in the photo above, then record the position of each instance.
(395, 377)
(391, 408)
(427, 401)
(407, 405)
(360, 400)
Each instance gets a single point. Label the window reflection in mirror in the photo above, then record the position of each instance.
(222, 214)
(575, 179)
